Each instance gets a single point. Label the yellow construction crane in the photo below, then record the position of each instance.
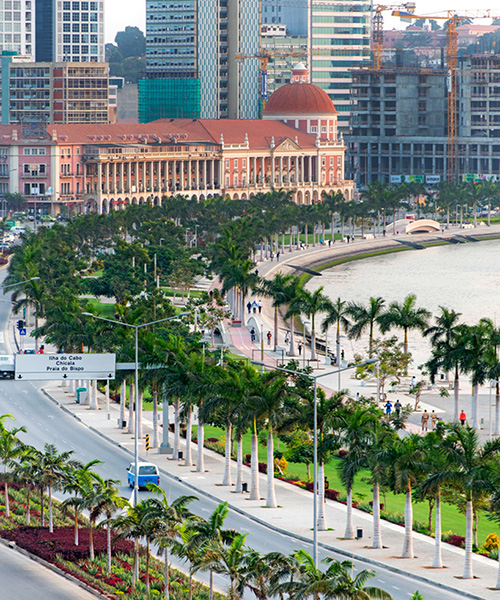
(453, 19)
(378, 28)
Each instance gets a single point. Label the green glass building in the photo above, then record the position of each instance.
(173, 98)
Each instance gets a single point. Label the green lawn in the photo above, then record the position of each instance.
(104, 309)
(451, 519)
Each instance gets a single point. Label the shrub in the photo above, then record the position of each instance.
(342, 453)
(280, 465)
(212, 440)
(456, 540)
(247, 458)
(491, 542)
(262, 467)
(292, 477)
(332, 494)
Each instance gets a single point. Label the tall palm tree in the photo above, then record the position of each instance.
(311, 303)
(408, 462)
(203, 534)
(358, 425)
(293, 308)
(169, 516)
(365, 317)
(25, 472)
(53, 464)
(406, 316)
(269, 401)
(278, 290)
(336, 314)
(444, 336)
(470, 471)
(11, 448)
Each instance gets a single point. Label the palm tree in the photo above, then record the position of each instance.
(408, 463)
(365, 317)
(278, 290)
(443, 336)
(203, 534)
(11, 448)
(106, 500)
(293, 308)
(170, 517)
(470, 471)
(405, 316)
(74, 482)
(310, 304)
(53, 464)
(358, 425)
(336, 314)
(229, 561)
(25, 472)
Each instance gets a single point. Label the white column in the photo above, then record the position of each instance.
(182, 176)
(281, 170)
(204, 174)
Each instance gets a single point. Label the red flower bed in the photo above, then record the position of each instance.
(39, 541)
(457, 540)
(332, 494)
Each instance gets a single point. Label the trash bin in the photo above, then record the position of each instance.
(81, 395)
(244, 487)
(359, 533)
(121, 424)
(181, 455)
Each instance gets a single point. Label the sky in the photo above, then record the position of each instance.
(120, 13)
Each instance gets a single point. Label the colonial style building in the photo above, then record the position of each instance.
(104, 167)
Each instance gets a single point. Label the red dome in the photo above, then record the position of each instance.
(300, 98)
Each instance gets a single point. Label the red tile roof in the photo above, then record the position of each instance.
(260, 133)
(300, 98)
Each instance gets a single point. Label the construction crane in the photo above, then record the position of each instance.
(265, 56)
(378, 28)
(453, 19)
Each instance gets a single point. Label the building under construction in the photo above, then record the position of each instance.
(400, 123)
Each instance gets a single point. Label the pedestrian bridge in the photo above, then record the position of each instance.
(423, 226)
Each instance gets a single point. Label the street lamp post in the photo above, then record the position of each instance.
(136, 386)
(315, 435)
(6, 287)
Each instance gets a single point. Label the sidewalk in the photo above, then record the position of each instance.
(294, 514)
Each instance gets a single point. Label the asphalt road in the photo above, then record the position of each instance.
(45, 422)
(24, 579)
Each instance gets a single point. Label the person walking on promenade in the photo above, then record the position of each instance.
(433, 420)
(299, 346)
(252, 334)
(287, 337)
(278, 256)
(269, 337)
(249, 307)
(388, 408)
(425, 420)
(260, 306)
(254, 306)
(462, 418)
(397, 408)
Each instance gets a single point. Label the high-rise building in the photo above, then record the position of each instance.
(191, 64)
(69, 30)
(17, 18)
(339, 39)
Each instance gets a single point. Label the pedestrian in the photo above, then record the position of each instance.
(278, 256)
(425, 420)
(287, 337)
(299, 346)
(342, 355)
(249, 307)
(252, 334)
(462, 418)
(352, 238)
(272, 256)
(259, 304)
(254, 306)
(397, 408)
(388, 408)
(433, 420)
(269, 337)
(329, 243)
(357, 395)
(413, 382)
(257, 272)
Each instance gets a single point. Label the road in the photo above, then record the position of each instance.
(25, 579)
(45, 422)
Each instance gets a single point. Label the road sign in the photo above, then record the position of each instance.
(22, 331)
(35, 367)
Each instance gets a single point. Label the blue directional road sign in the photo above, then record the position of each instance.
(22, 331)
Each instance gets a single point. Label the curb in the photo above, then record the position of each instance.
(352, 555)
(53, 568)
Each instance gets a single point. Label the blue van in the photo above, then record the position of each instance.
(148, 473)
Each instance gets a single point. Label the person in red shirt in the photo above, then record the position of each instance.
(462, 418)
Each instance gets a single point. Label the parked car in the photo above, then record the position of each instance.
(148, 473)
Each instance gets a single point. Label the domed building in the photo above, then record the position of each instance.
(304, 106)
(308, 109)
